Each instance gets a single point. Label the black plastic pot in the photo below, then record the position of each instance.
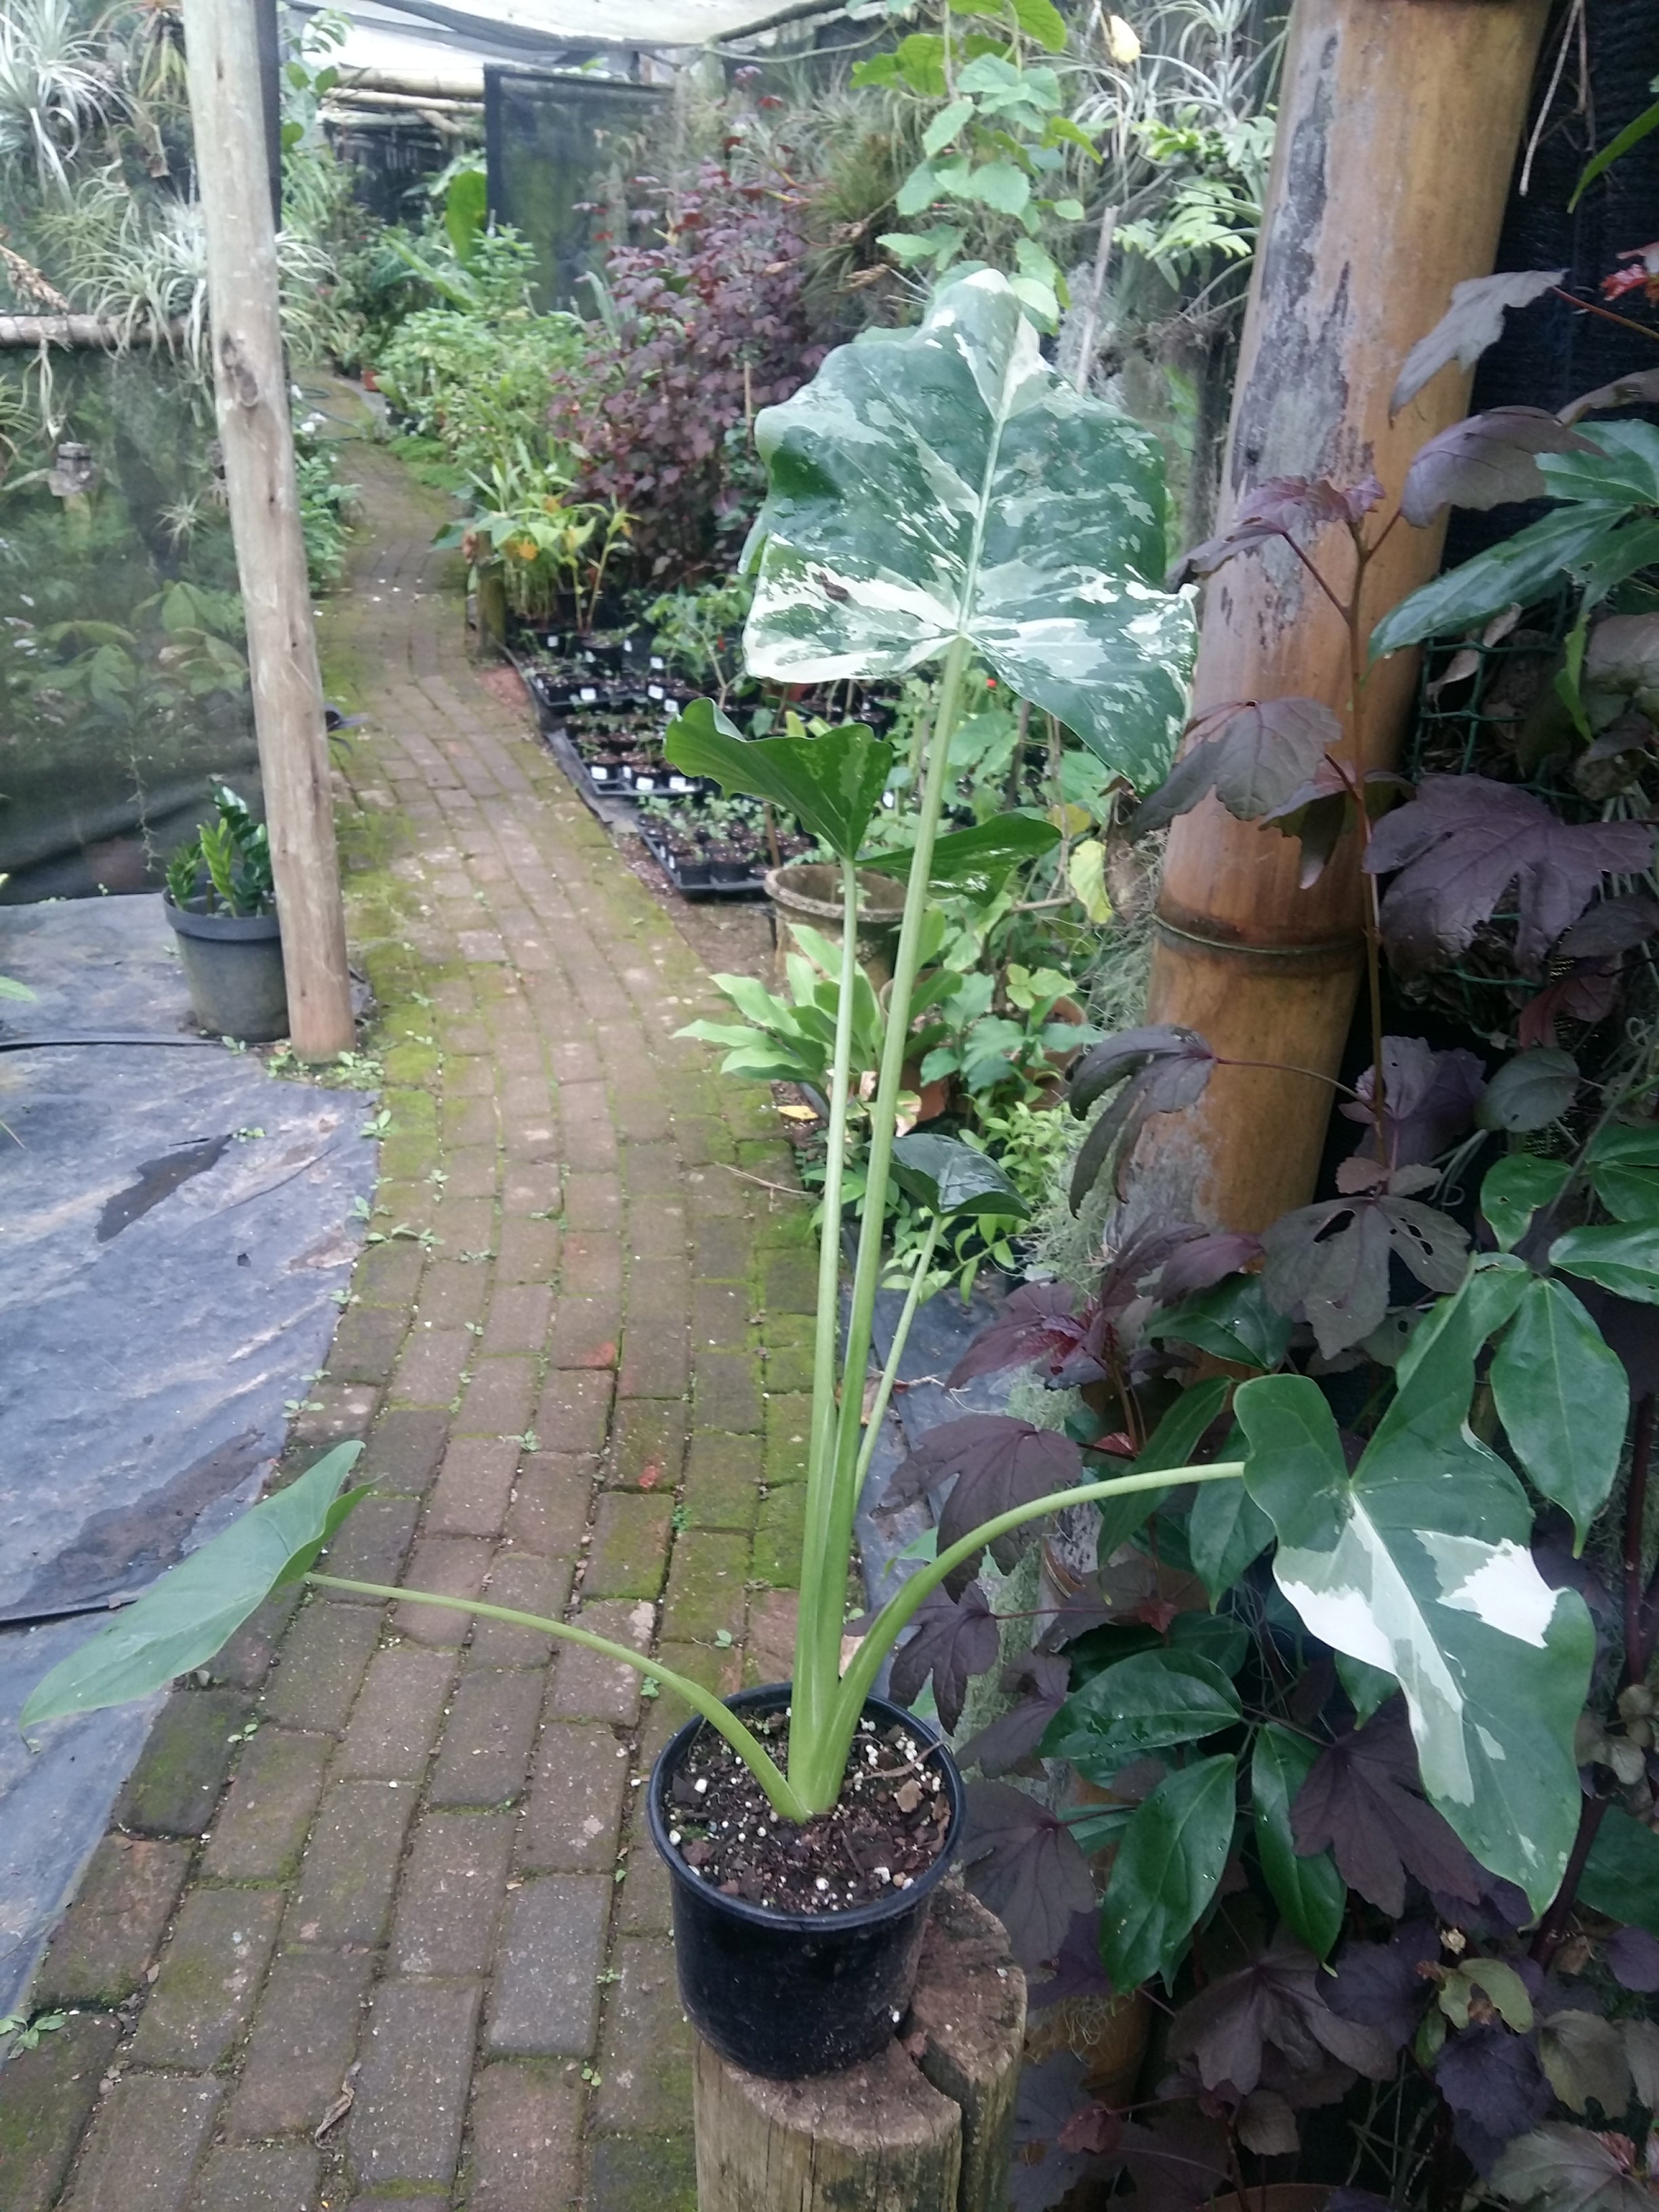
(787, 1995)
(233, 966)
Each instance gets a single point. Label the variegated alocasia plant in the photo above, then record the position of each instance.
(935, 495)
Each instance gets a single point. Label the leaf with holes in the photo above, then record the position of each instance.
(1251, 754)
(1515, 1189)
(1329, 1262)
(952, 1640)
(944, 483)
(1420, 1562)
(1170, 1859)
(1563, 1402)
(1454, 850)
(1474, 321)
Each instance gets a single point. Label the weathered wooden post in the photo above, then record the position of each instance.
(251, 389)
(1399, 125)
(924, 2128)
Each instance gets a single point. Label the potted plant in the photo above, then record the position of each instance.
(221, 903)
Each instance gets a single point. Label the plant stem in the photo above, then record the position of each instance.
(718, 1715)
(817, 1646)
(1637, 1636)
(901, 1335)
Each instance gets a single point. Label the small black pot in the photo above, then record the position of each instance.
(791, 1994)
(233, 966)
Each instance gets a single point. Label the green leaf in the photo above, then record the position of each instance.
(1369, 1688)
(1232, 1320)
(1632, 135)
(945, 124)
(1001, 186)
(1042, 21)
(1068, 210)
(953, 1179)
(1563, 1399)
(1171, 1856)
(1621, 1875)
(944, 483)
(832, 784)
(11, 989)
(1624, 1169)
(1624, 1257)
(1420, 1563)
(1521, 568)
(1515, 1189)
(1171, 1444)
(1142, 1703)
(1483, 1303)
(1226, 1530)
(197, 1604)
(982, 855)
(1530, 1092)
(1310, 1893)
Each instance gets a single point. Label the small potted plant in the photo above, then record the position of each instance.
(936, 494)
(221, 903)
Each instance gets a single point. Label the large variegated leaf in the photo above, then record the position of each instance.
(1420, 1563)
(944, 483)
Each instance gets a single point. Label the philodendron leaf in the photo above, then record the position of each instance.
(1168, 1864)
(197, 1604)
(832, 784)
(1308, 1890)
(983, 854)
(1420, 1562)
(951, 1178)
(1563, 1400)
(1515, 1189)
(944, 483)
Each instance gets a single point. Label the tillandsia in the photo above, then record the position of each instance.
(935, 495)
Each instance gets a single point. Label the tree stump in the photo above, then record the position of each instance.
(925, 2127)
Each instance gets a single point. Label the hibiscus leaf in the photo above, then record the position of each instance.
(1270, 2018)
(1632, 1957)
(1037, 1326)
(1307, 1888)
(1166, 1068)
(1040, 1683)
(1474, 321)
(1454, 850)
(998, 1463)
(1019, 1860)
(1563, 1402)
(1362, 1802)
(1584, 2057)
(1428, 1100)
(1169, 1862)
(1530, 1092)
(1252, 755)
(1206, 1259)
(951, 1641)
(1330, 1261)
(1494, 2084)
(1420, 1562)
(1279, 506)
(1484, 461)
(1564, 2169)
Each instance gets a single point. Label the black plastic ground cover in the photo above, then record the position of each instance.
(176, 1223)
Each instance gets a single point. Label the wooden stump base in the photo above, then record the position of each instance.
(923, 2128)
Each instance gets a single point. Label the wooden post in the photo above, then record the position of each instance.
(1399, 124)
(251, 388)
(924, 2128)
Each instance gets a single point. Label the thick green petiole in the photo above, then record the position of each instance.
(900, 1338)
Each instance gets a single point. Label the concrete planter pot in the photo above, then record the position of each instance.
(233, 966)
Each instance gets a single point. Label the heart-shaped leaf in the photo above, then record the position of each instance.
(953, 1179)
(197, 1604)
(832, 784)
(945, 483)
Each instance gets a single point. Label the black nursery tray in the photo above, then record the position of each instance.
(697, 879)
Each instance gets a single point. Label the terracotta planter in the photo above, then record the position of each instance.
(809, 891)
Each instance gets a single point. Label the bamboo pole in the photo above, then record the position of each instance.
(251, 390)
(74, 330)
(1399, 124)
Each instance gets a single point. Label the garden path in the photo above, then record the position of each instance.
(378, 1922)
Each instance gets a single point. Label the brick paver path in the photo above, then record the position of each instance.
(376, 1850)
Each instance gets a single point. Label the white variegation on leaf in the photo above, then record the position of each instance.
(944, 483)
(1420, 1563)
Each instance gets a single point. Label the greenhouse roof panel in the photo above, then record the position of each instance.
(515, 30)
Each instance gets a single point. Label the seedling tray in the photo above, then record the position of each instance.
(700, 880)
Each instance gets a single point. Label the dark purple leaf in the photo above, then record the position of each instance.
(1078, 1970)
(1049, 2097)
(1492, 2080)
(1318, 812)
(1474, 321)
(1267, 2125)
(1025, 1865)
(1564, 2169)
(1378, 1984)
(1633, 1957)
(1637, 390)
(1329, 1263)
(1612, 926)
(1149, 1247)
(1205, 1262)
(1166, 1068)
(998, 1464)
(1460, 844)
(1036, 1327)
(1251, 754)
(1175, 2163)
(1275, 2004)
(1486, 460)
(1362, 1802)
(1093, 2131)
(951, 1641)
(1587, 993)
(1040, 1684)
(1428, 1100)
(1278, 507)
